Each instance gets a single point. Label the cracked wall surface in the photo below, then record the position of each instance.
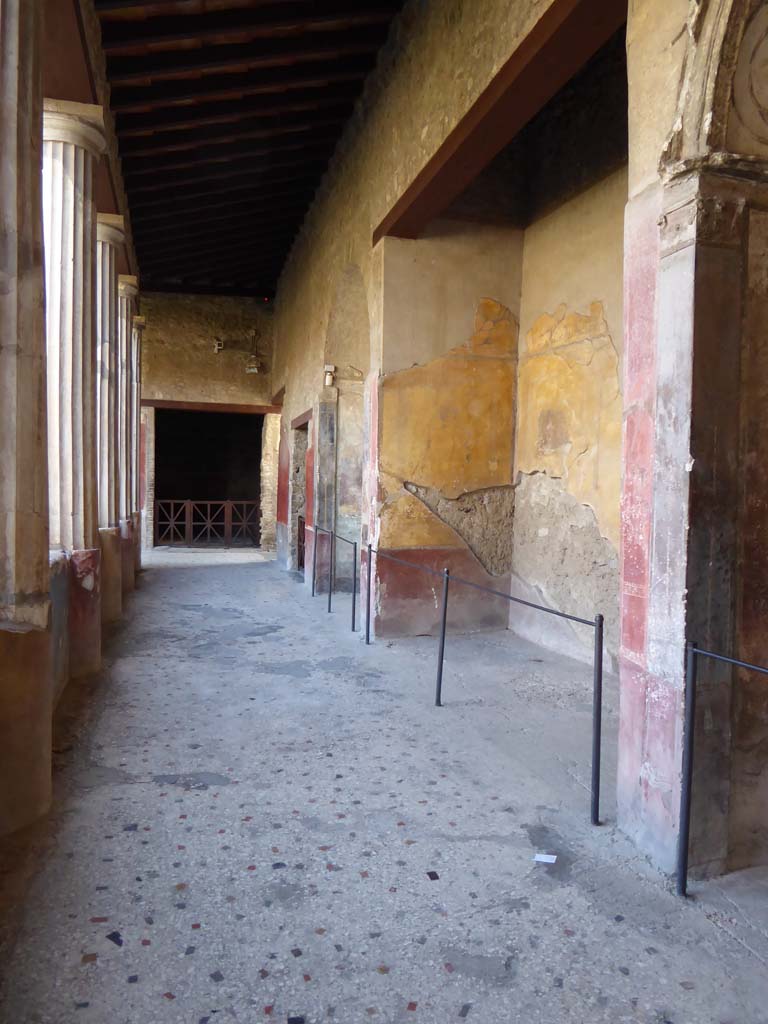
(483, 519)
(560, 552)
(569, 408)
(447, 429)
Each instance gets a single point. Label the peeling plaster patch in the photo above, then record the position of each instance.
(570, 408)
(483, 519)
(574, 568)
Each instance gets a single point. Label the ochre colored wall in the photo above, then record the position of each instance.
(439, 59)
(178, 359)
(443, 424)
(569, 398)
(431, 288)
(446, 436)
(569, 408)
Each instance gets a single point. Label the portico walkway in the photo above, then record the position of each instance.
(264, 820)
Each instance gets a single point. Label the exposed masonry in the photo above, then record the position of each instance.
(542, 533)
(483, 519)
(558, 548)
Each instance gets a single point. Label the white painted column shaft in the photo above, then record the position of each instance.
(73, 136)
(128, 289)
(138, 329)
(23, 483)
(110, 237)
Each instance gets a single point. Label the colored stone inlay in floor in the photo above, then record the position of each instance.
(264, 819)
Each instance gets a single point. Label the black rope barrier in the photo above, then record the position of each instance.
(597, 624)
(692, 654)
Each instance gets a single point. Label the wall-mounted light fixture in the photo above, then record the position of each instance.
(330, 369)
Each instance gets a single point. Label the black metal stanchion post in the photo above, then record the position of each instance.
(441, 651)
(684, 828)
(368, 573)
(314, 559)
(354, 582)
(597, 718)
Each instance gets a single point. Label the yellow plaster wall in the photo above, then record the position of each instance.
(439, 59)
(569, 384)
(449, 425)
(657, 41)
(431, 287)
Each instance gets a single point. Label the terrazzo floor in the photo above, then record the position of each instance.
(262, 819)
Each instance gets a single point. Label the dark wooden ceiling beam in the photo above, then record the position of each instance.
(248, 201)
(244, 24)
(230, 112)
(208, 263)
(321, 75)
(211, 271)
(266, 128)
(308, 166)
(225, 228)
(222, 153)
(305, 176)
(275, 53)
(105, 7)
(255, 289)
(259, 255)
(566, 36)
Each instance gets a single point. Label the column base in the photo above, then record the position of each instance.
(26, 709)
(128, 555)
(84, 612)
(111, 574)
(59, 621)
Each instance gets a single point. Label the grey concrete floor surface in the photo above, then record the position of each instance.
(262, 819)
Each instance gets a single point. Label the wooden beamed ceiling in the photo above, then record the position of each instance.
(227, 113)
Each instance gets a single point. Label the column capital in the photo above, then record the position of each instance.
(128, 285)
(139, 323)
(110, 228)
(81, 124)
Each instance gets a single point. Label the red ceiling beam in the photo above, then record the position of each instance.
(144, 98)
(297, 169)
(277, 53)
(217, 154)
(229, 112)
(196, 138)
(236, 184)
(244, 24)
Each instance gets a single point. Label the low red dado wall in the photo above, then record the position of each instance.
(409, 602)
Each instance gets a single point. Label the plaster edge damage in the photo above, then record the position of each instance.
(549, 540)
(558, 550)
(483, 519)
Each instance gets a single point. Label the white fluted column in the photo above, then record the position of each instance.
(25, 643)
(110, 238)
(73, 140)
(128, 290)
(137, 468)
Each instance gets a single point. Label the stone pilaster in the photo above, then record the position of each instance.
(684, 309)
(73, 140)
(25, 675)
(110, 237)
(138, 456)
(127, 291)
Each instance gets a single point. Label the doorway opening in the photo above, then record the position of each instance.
(300, 479)
(207, 478)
